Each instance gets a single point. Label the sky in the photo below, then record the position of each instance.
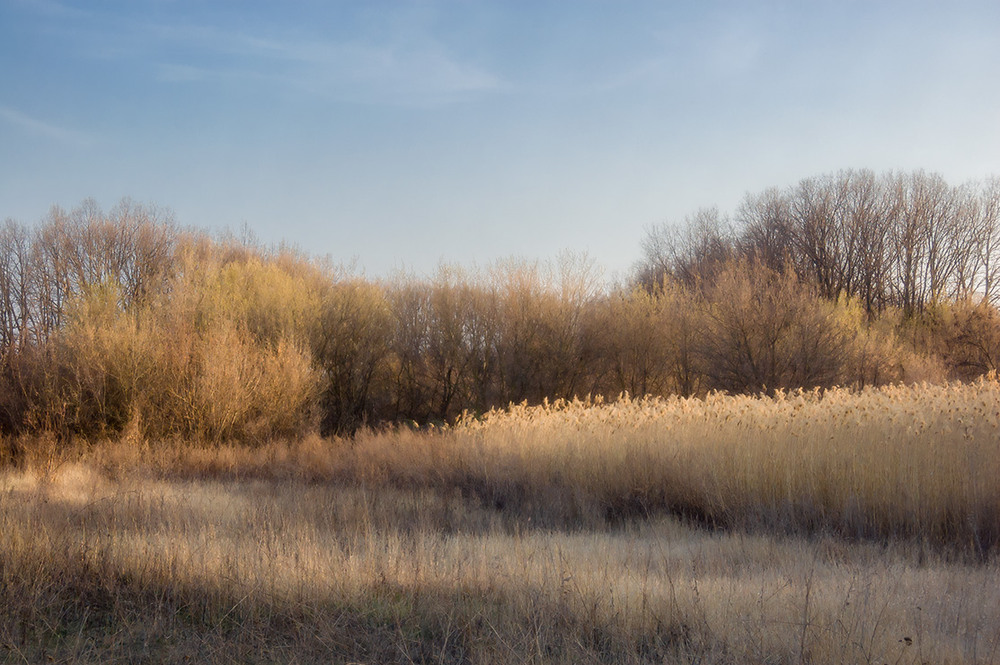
(400, 135)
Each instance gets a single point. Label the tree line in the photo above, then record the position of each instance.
(896, 240)
(123, 323)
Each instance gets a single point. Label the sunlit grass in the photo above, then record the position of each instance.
(92, 568)
(839, 528)
(912, 462)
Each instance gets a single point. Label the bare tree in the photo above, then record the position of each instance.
(353, 345)
(767, 331)
(689, 253)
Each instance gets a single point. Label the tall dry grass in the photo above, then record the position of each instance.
(95, 570)
(843, 527)
(916, 463)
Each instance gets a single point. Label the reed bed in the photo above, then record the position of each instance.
(266, 571)
(915, 462)
(808, 527)
(902, 462)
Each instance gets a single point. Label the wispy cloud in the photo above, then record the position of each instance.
(394, 67)
(389, 73)
(416, 71)
(392, 58)
(40, 127)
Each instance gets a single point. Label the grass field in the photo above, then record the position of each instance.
(805, 528)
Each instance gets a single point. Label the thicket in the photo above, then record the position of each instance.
(123, 323)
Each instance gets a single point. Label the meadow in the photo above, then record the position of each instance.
(834, 526)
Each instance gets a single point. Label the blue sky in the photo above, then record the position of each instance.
(401, 134)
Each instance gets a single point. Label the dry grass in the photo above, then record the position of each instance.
(912, 462)
(915, 463)
(860, 530)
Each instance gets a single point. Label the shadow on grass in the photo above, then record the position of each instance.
(83, 611)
